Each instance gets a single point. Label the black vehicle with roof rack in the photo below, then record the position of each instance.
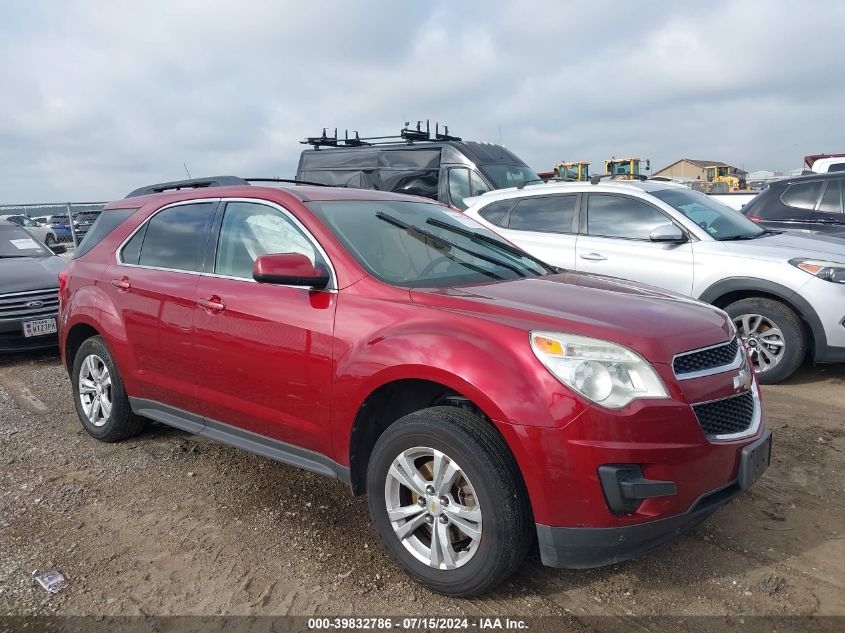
(439, 166)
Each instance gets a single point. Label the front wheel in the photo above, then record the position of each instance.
(448, 501)
(773, 334)
(49, 240)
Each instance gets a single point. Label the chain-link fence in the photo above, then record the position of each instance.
(64, 223)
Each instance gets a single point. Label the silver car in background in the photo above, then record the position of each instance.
(784, 292)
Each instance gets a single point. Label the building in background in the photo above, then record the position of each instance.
(693, 169)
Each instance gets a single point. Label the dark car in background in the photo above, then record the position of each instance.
(812, 204)
(83, 221)
(441, 167)
(29, 287)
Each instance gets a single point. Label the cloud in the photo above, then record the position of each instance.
(101, 98)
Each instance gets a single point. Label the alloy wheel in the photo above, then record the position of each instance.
(95, 390)
(763, 339)
(433, 508)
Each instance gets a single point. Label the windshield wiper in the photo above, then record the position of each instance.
(486, 239)
(733, 238)
(416, 231)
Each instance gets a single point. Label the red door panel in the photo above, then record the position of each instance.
(157, 309)
(264, 358)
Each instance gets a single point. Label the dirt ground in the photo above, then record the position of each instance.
(167, 523)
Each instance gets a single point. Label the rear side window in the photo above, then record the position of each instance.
(553, 214)
(837, 167)
(104, 224)
(496, 212)
(621, 216)
(832, 198)
(176, 237)
(802, 195)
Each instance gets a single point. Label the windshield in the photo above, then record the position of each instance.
(505, 176)
(421, 245)
(719, 220)
(16, 242)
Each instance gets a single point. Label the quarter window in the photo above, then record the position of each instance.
(831, 200)
(250, 230)
(131, 252)
(552, 214)
(803, 195)
(621, 216)
(176, 237)
(496, 213)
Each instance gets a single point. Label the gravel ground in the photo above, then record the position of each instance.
(168, 523)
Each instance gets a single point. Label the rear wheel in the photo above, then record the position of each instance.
(98, 393)
(448, 501)
(49, 240)
(773, 334)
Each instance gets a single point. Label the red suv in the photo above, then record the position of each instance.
(479, 396)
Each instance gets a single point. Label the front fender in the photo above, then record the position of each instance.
(492, 365)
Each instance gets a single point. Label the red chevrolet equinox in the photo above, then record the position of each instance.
(479, 397)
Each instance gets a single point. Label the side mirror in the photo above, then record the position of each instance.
(58, 249)
(289, 269)
(668, 233)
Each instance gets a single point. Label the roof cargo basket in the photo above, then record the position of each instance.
(193, 183)
(407, 136)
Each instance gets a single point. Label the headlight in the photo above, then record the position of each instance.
(606, 373)
(829, 271)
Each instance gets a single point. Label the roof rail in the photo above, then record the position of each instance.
(594, 180)
(216, 181)
(407, 136)
(193, 183)
(292, 181)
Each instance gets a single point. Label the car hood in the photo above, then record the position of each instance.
(19, 274)
(786, 246)
(652, 322)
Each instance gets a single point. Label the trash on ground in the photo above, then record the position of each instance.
(52, 581)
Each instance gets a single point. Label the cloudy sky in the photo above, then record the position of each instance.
(101, 97)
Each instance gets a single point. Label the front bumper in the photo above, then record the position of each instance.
(586, 547)
(12, 338)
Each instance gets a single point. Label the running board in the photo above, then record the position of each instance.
(239, 438)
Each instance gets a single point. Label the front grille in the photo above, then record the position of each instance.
(726, 416)
(29, 305)
(702, 360)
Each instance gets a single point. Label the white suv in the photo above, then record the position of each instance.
(785, 292)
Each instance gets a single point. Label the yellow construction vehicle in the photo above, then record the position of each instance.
(624, 168)
(579, 170)
(722, 179)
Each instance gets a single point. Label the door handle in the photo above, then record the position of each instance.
(594, 257)
(121, 284)
(212, 304)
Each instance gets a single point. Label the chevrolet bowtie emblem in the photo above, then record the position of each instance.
(743, 379)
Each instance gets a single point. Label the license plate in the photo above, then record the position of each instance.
(755, 460)
(39, 327)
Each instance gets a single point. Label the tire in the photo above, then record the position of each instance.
(780, 316)
(495, 491)
(49, 240)
(120, 423)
